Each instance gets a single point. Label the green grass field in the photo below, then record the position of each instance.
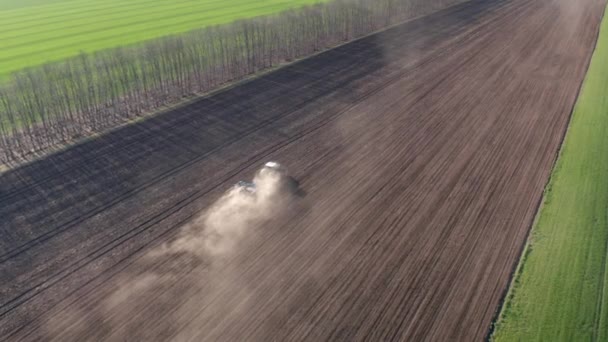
(560, 291)
(33, 32)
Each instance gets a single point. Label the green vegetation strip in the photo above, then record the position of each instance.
(560, 289)
(37, 32)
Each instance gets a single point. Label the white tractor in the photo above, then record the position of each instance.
(271, 172)
(273, 169)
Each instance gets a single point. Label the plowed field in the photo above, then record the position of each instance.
(422, 151)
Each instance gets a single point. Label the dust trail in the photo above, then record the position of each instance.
(195, 261)
(232, 218)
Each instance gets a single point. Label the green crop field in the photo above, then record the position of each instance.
(33, 32)
(560, 291)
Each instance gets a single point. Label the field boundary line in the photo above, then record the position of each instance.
(516, 273)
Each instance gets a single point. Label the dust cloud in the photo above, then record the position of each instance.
(232, 218)
(179, 275)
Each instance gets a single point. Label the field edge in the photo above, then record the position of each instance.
(503, 311)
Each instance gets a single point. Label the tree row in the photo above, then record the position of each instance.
(43, 106)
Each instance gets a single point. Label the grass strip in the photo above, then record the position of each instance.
(559, 292)
(39, 33)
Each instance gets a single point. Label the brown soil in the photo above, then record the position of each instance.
(422, 151)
